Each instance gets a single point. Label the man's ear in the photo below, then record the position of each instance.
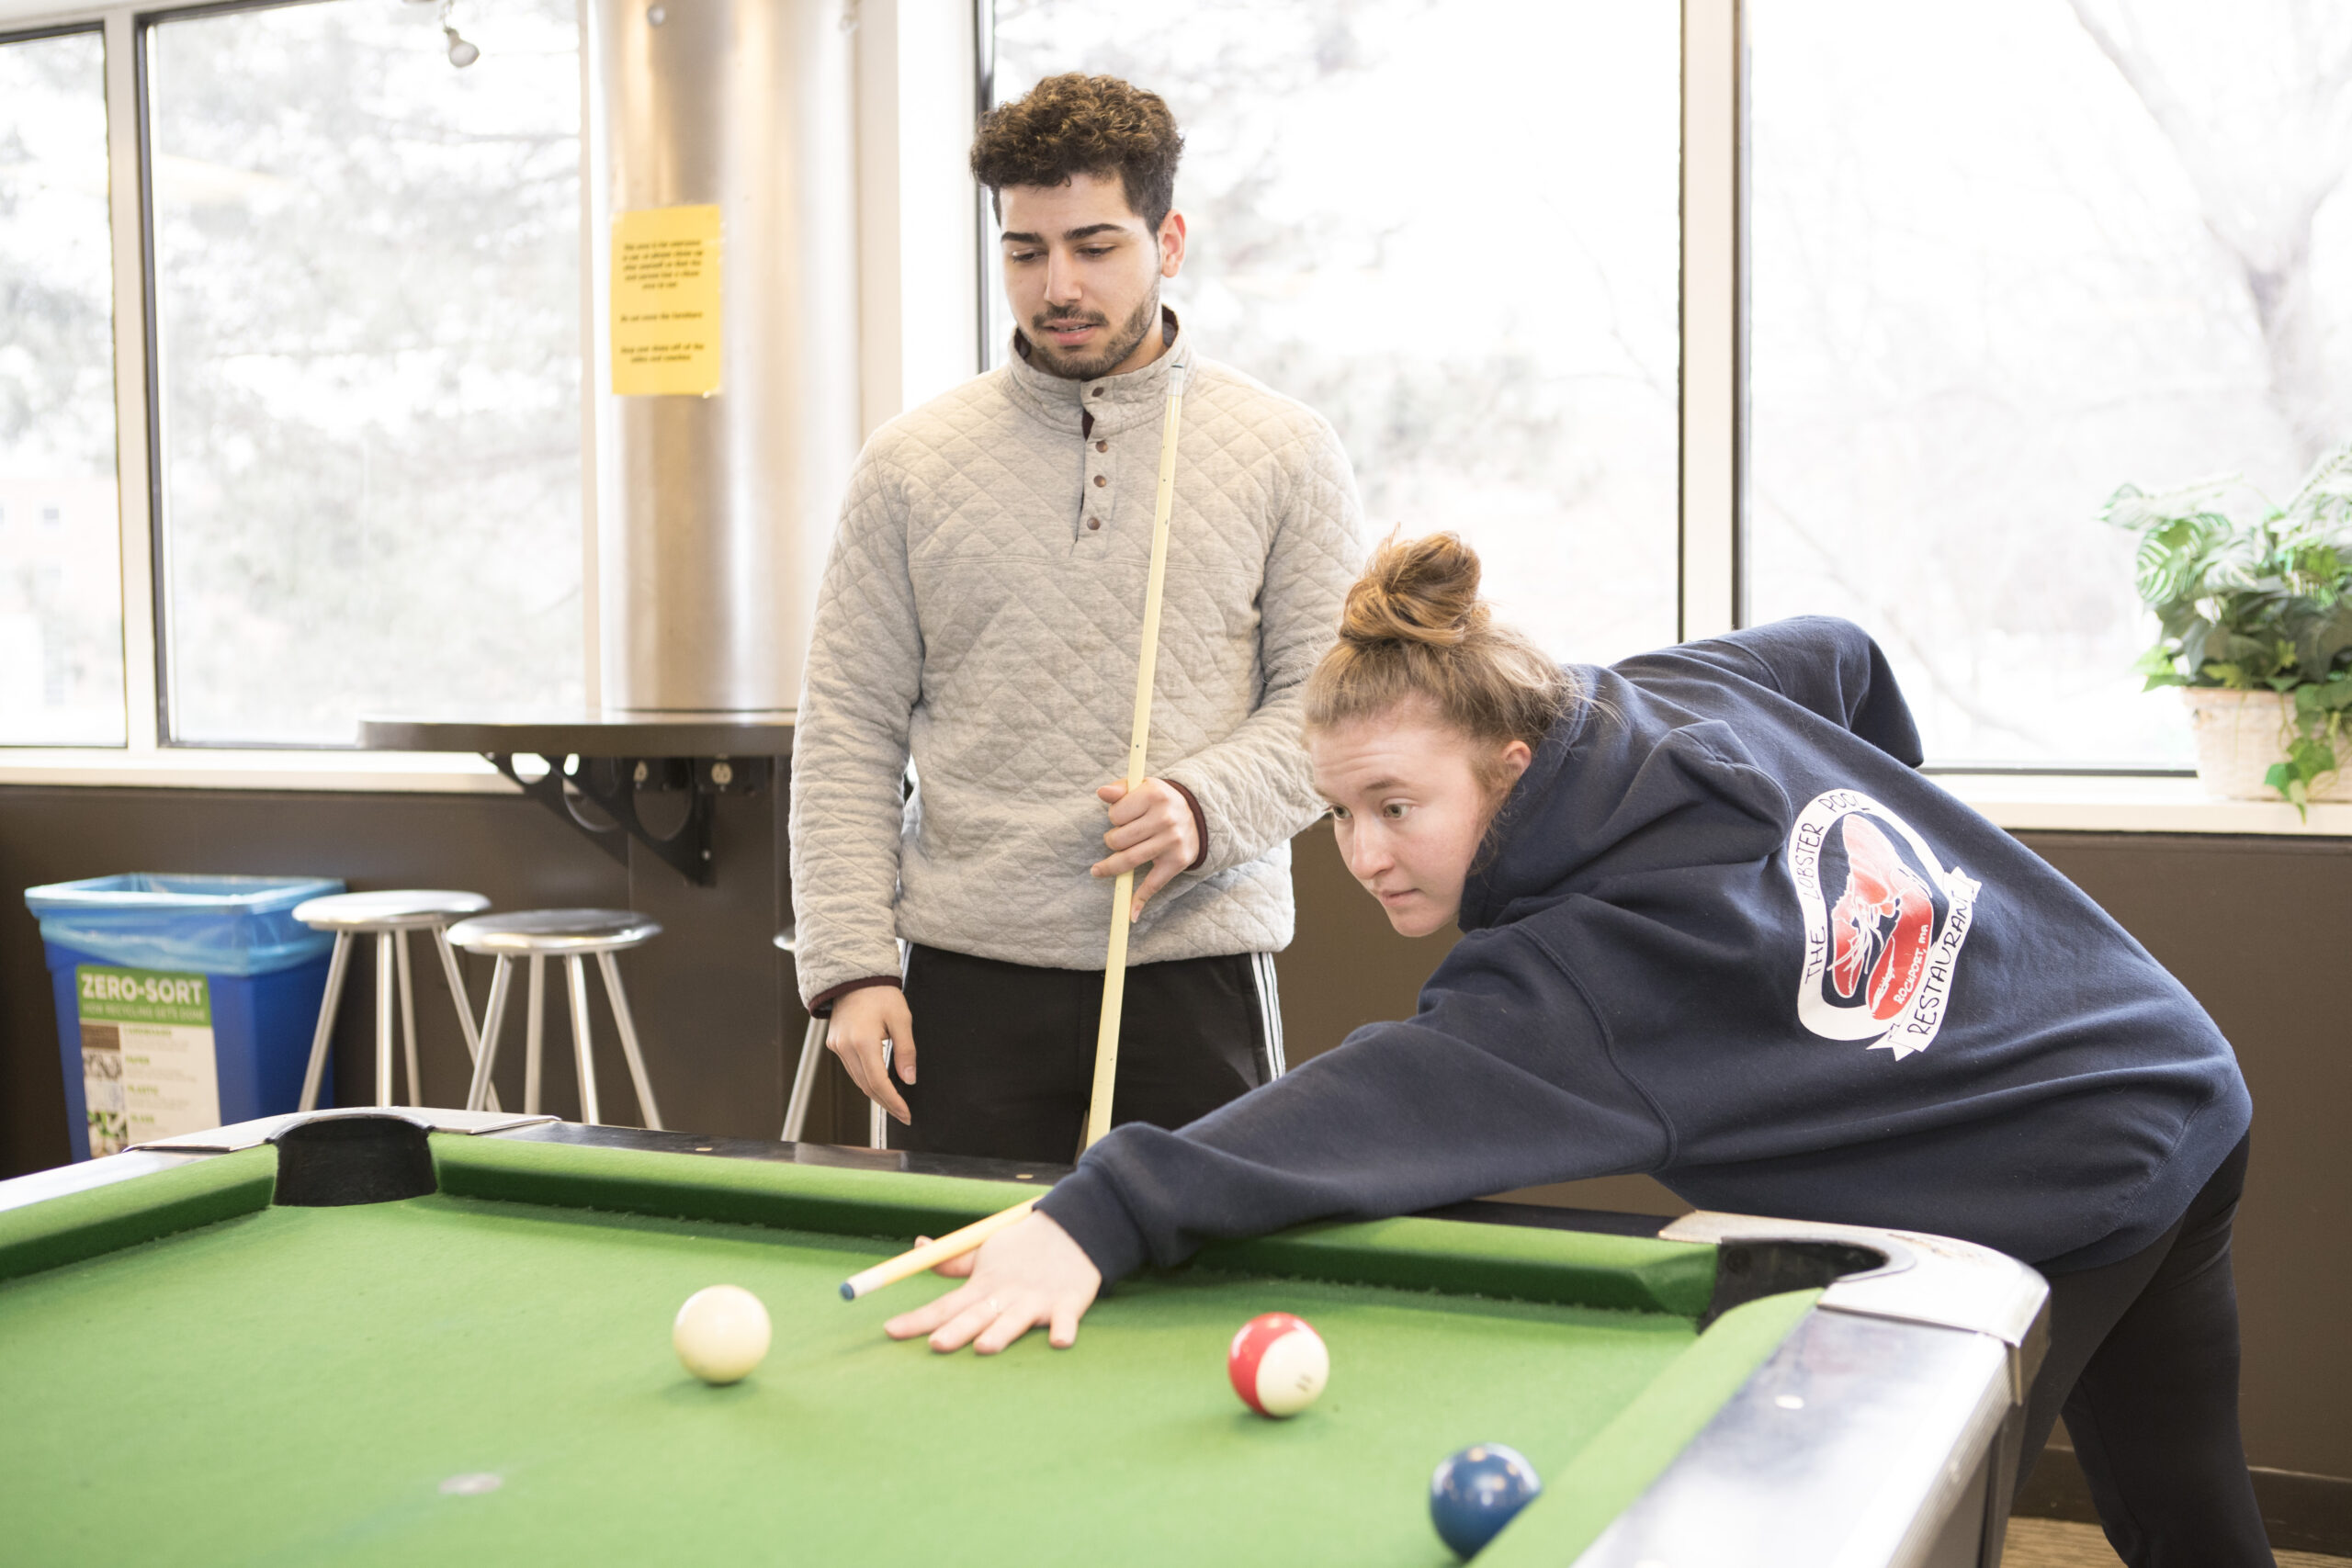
(1172, 244)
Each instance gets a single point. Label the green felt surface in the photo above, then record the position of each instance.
(297, 1385)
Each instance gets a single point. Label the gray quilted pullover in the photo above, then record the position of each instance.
(980, 614)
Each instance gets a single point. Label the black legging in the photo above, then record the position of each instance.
(2144, 1362)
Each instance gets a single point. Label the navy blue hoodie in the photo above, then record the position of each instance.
(1724, 932)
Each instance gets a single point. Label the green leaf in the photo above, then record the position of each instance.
(2258, 601)
(2157, 665)
(2282, 778)
(2310, 757)
(2233, 676)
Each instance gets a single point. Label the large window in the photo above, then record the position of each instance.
(1993, 262)
(1451, 228)
(368, 323)
(2001, 259)
(2007, 257)
(61, 593)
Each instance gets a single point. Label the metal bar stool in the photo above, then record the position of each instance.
(570, 935)
(812, 1054)
(390, 917)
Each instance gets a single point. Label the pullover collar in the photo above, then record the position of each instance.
(1107, 405)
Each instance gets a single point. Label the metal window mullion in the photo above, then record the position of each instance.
(983, 235)
(592, 373)
(134, 443)
(1712, 319)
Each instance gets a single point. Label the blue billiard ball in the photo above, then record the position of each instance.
(1479, 1491)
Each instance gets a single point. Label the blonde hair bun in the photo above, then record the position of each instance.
(1421, 591)
(1415, 630)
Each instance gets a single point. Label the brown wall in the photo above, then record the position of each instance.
(2255, 927)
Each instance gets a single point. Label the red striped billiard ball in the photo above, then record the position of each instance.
(1278, 1364)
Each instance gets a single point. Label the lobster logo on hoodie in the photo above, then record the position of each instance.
(1884, 924)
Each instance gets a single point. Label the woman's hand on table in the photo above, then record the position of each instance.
(1030, 1274)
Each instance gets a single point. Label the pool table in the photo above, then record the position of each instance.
(443, 1336)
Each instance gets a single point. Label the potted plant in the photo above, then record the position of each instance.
(2257, 616)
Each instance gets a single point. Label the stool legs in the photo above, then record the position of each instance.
(392, 968)
(383, 1017)
(325, 1031)
(465, 1011)
(534, 1031)
(535, 1016)
(575, 977)
(627, 1024)
(408, 1020)
(804, 1079)
(493, 1017)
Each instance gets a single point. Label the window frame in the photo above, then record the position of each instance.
(152, 756)
(924, 67)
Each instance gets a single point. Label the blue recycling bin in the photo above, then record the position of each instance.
(183, 1002)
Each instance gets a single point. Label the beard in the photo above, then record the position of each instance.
(1086, 367)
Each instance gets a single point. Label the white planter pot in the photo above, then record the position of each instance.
(2240, 735)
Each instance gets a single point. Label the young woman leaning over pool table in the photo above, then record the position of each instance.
(1717, 927)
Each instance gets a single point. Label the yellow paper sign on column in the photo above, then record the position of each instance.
(666, 302)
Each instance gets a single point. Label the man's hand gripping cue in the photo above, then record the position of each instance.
(1155, 824)
(863, 1021)
(1030, 1274)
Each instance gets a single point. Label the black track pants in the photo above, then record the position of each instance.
(1004, 1053)
(2143, 1363)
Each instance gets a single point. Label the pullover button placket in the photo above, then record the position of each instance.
(1095, 450)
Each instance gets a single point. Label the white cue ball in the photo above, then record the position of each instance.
(721, 1333)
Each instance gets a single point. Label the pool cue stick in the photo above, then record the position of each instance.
(932, 1253)
(1114, 964)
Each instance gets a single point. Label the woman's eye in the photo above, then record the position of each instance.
(1338, 814)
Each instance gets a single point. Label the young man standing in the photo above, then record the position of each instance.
(982, 616)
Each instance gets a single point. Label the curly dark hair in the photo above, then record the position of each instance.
(1075, 124)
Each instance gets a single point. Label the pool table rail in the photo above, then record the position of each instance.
(1882, 1429)
(1885, 1430)
(1861, 1440)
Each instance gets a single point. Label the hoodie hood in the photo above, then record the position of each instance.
(1628, 782)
